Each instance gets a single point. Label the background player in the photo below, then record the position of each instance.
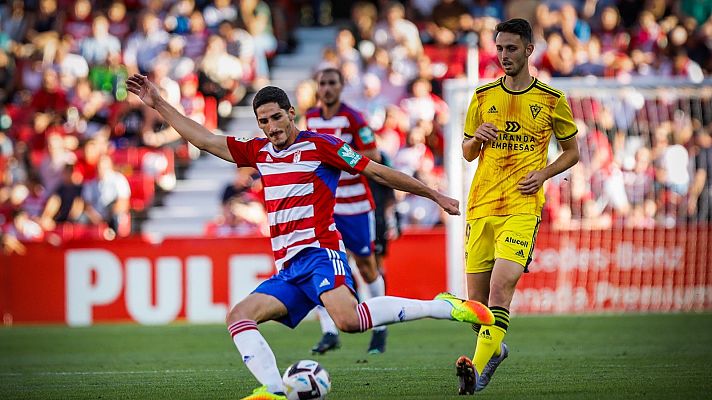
(299, 172)
(354, 211)
(508, 126)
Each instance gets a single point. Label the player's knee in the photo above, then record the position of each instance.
(347, 324)
(500, 293)
(235, 314)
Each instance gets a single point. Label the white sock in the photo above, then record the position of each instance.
(389, 310)
(327, 324)
(377, 288)
(256, 354)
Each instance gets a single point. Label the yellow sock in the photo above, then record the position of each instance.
(490, 338)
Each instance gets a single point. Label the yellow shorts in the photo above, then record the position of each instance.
(510, 237)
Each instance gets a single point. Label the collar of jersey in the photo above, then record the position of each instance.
(515, 92)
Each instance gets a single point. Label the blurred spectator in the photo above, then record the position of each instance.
(239, 43)
(53, 163)
(424, 105)
(305, 96)
(392, 134)
(396, 34)
(144, 45)
(220, 75)
(451, 15)
(197, 39)
(371, 102)
(191, 99)
(247, 180)
(257, 17)
(97, 47)
(415, 157)
(448, 60)
(345, 48)
(672, 160)
(78, 24)
(244, 216)
(70, 66)
(353, 80)
(640, 178)
(45, 25)
(576, 31)
(364, 16)
(118, 21)
(487, 8)
(10, 244)
(596, 156)
(7, 76)
(65, 203)
(400, 38)
(243, 212)
(106, 198)
(15, 23)
(699, 205)
(219, 11)
(178, 64)
(24, 228)
(177, 20)
(50, 97)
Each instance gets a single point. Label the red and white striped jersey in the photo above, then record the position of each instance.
(299, 188)
(353, 195)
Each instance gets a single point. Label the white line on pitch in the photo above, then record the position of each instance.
(150, 372)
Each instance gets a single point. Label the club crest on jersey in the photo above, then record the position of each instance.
(297, 156)
(349, 155)
(534, 108)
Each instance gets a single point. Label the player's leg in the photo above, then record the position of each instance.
(358, 232)
(479, 260)
(505, 276)
(242, 323)
(352, 317)
(330, 334)
(274, 299)
(514, 246)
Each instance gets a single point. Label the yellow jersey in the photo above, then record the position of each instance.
(525, 121)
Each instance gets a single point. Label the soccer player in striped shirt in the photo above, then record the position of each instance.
(300, 171)
(354, 211)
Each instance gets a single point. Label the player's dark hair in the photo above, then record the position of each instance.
(331, 70)
(271, 94)
(517, 26)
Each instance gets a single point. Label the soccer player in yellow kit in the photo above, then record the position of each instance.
(508, 127)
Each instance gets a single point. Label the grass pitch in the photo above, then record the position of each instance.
(593, 357)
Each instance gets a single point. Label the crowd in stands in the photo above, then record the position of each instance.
(80, 158)
(395, 57)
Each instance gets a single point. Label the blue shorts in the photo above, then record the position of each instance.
(358, 232)
(310, 273)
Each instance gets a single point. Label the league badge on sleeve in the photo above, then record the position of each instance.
(349, 155)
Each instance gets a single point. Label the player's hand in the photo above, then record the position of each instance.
(450, 205)
(144, 89)
(532, 182)
(486, 132)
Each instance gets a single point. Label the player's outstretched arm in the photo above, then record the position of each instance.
(190, 130)
(400, 181)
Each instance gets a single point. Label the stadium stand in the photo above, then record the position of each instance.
(63, 63)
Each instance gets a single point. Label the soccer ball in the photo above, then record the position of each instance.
(306, 380)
